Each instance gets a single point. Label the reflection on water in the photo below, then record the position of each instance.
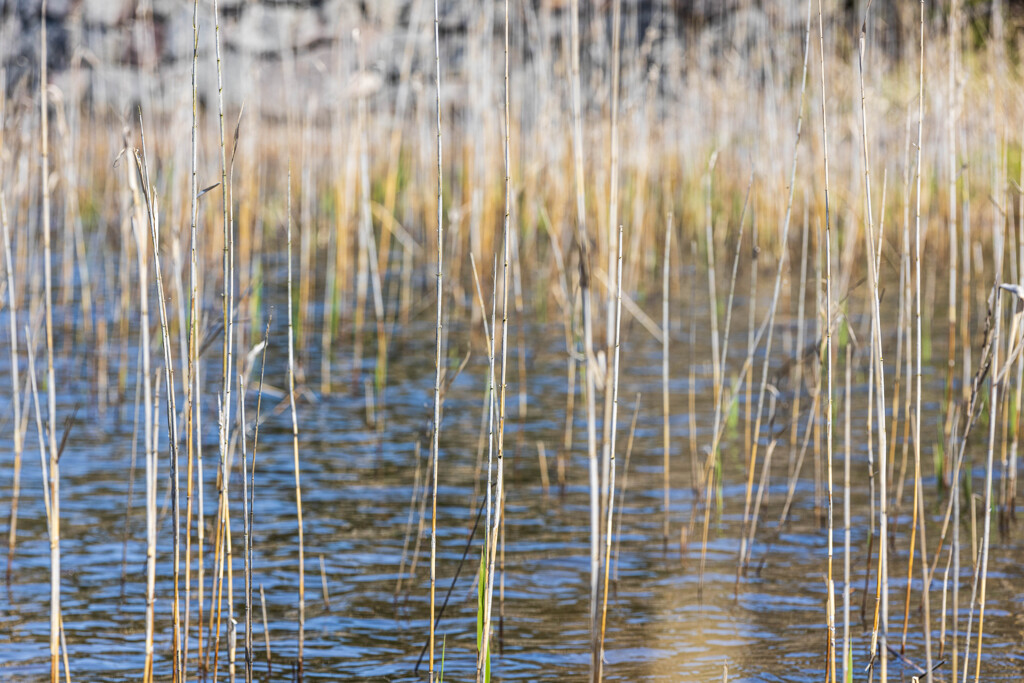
(357, 486)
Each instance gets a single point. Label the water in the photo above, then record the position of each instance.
(357, 483)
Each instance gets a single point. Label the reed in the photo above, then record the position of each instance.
(295, 443)
(51, 388)
(12, 312)
(435, 432)
(666, 328)
(611, 467)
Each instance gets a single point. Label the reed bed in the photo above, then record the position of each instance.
(607, 164)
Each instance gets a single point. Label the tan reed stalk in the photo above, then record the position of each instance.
(227, 297)
(12, 313)
(149, 408)
(141, 164)
(919, 354)
(30, 338)
(266, 630)
(847, 645)
(876, 343)
(249, 657)
(487, 411)
(828, 328)
(51, 384)
(497, 529)
(1011, 484)
(902, 334)
(691, 400)
(306, 227)
(613, 210)
(951, 124)
(246, 532)
(295, 441)
(665, 408)
(437, 333)
(625, 484)
(709, 236)
(917, 501)
(748, 421)
(798, 378)
(588, 334)
(483, 664)
(192, 381)
(614, 431)
(228, 264)
(30, 345)
(222, 555)
(742, 559)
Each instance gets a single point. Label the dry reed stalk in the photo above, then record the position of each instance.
(828, 327)
(847, 646)
(709, 236)
(665, 408)
(152, 211)
(149, 408)
(12, 313)
(266, 628)
(919, 354)
(625, 484)
(437, 333)
(902, 335)
(876, 345)
(437, 342)
(498, 505)
(47, 493)
(748, 422)
(192, 435)
(691, 399)
(228, 257)
(1011, 484)
(799, 365)
(611, 468)
(252, 500)
(295, 442)
(51, 384)
(613, 223)
(951, 141)
(246, 532)
(588, 334)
